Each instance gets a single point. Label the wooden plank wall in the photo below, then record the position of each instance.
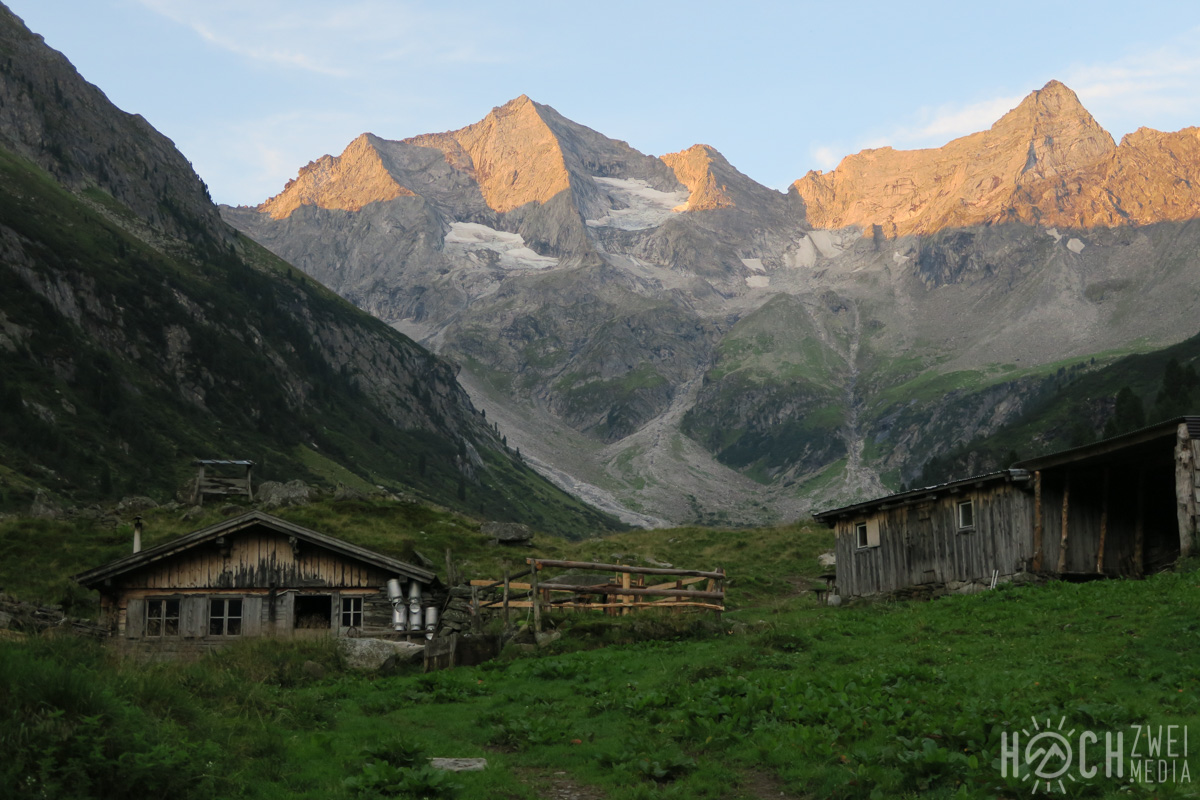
(1187, 490)
(1085, 507)
(921, 543)
(257, 558)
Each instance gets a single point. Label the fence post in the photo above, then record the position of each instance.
(537, 603)
(506, 625)
(626, 598)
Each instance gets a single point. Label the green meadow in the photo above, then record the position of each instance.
(778, 697)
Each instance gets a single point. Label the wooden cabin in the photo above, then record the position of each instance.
(1120, 507)
(258, 575)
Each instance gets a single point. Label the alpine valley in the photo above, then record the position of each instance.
(664, 335)
(138, 331)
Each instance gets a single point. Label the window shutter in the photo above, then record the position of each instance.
(135, 617)
(191, 617)
(251, 616)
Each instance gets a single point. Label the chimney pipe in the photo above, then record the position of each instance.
(137, 534)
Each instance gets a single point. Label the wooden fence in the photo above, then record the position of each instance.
(625, 594)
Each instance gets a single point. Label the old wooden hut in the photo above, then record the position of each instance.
(1120, 507)
(258, 575)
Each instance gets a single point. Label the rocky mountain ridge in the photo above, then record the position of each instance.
(139, 331)
(1047, 162)
(670, 334)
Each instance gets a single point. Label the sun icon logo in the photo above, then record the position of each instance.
(1048, 754)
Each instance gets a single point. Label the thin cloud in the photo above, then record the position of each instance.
(826, 157)
(1160, 83)
(252, 159)
(950, 122)
(340, 41)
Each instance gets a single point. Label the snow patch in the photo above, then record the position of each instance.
(637, 205)
(900, 258)
(805, 254)
(828, 243)
(758, 281)
(1075, 246)
(471, 237)
(754, 264)
(1054, 234)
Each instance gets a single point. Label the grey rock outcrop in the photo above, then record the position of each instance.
(272, 494)
(374, 655)
(507, 533)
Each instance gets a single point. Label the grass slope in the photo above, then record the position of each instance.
(781, 697)
(94, 405)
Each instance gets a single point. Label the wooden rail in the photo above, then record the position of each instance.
(622, 596)
(539, 563)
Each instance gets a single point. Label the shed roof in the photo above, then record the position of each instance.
(1160, 430)
(1022, 469)
(134, 561)
(918, 495)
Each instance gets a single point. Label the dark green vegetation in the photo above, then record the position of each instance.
(780, 696)
(1083, 405)
(122, 363)
(772, 399)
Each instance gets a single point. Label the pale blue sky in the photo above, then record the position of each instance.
(251, 90)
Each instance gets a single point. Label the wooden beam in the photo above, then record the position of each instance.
(627, 599)
(1037, 521)
(536, 599)
(1062, 542)
(635, 591)
(1185, 499)
(1103, 525)
(623, 568)
(570, 606)
(506, 588)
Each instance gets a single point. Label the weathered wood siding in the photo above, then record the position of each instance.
(1187, 490)
(257, 558)
(921, 543)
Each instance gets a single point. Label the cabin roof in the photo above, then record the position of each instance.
(919, 495)
(255, 518)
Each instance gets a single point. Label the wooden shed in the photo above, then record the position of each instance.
(258, 575)
(1120, 507)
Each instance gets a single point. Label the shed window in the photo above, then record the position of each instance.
(162, 617)
(225, 617)
(866, 534)
(352, 612)
(966, 514)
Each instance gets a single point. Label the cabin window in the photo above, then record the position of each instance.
(352, 612)
(966, 514)
(314, 611)
(225, 617)
(162, 617)
(866, 534)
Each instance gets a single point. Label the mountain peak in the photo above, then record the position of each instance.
(972, 180)
(347, 182)
(512, 154)
(694, 168)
